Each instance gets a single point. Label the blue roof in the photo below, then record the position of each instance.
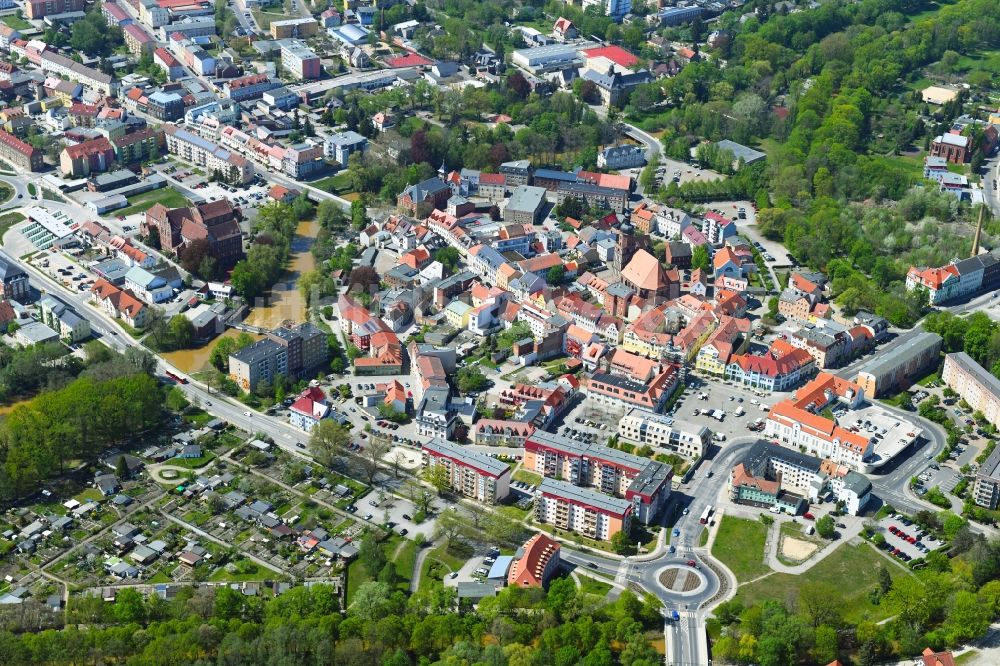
(501, 567)
(552, 174)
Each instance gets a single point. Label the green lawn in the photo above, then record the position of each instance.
(264, 18)
(590, 586)
(739, 545)
(339, 184)
(193, 463)
(988, 61)
(17, 23)
(9, 220)
(252, 572)
(404, 559)
(89, 494)
(525, 476)
(851, 570)
(140, 203)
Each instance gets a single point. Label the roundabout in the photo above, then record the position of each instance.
(682, 580)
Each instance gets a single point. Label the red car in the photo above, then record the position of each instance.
(808, 516)
(692, 563)
(895, 551)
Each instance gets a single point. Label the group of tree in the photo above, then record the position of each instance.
(77, 422)
(825, 87)
(274, 229)
(92, 34)
(305, 625)
(977, 335)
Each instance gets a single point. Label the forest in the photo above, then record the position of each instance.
(112, 399)
(222, 627)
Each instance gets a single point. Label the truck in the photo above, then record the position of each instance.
(739, 411)
(718, 414)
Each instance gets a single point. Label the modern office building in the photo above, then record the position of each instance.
(646, 428)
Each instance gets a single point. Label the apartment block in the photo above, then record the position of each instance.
(470, 474)
(20, 153)
(646, 428)
(974, 384)
(300, 61)
(36, 9)
(582, 511)
(896, 368)
(612, 472)
(986, 489)
(261, 361)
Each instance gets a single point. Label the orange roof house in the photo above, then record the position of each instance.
(535, 563)
(932, 658)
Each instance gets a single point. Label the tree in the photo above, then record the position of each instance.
(700, 258)
(471, 379)
(556, 275)
(181, 332)
(437, 476)
(328, 441)
(448, 257)
(621, 544)
(371, 458)
(772, 307)
(826, 527)
(330, 215)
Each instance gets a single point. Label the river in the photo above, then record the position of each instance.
(283, 302)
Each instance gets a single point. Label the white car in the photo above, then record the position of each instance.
(247, 413)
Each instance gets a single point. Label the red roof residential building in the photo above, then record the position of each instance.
(932, 658)
(539, 559)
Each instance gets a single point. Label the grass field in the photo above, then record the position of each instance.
(264, 18)
(142, 202)
(9, 220)
(339, 184)
(988, 61)
(17, 23)
(851, 570)
(740, 546)
(590, 586)
(525, 476)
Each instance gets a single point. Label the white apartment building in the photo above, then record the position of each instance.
(974, 384)
(471, 474)
(580, 510)
(646, 428)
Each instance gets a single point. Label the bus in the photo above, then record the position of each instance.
(705, 515)
(177, 378)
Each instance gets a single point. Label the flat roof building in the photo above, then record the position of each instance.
(897, 367)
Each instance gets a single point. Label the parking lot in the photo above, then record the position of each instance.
(474, 570)
(382, 508)
(904, 540)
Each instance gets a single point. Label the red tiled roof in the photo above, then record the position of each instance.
(409, 60)
(615, 54)
(12, 141)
